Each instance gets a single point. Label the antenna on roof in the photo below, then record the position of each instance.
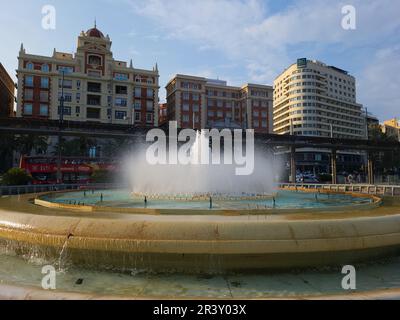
(95, 22)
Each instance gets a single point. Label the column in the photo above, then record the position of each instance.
(293, 164)
(334, 166)
(371, 174)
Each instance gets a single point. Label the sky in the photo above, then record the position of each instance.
(239, 41)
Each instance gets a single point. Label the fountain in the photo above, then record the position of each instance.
(195, 224)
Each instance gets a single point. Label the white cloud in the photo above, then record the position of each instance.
(379, 83)
(248, 34)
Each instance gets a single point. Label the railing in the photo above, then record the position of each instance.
(378, 190)
(17, 190)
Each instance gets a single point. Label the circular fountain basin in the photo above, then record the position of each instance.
(222, 240)
(244, 237)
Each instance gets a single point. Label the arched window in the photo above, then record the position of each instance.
(29, 66)
(45, 68)
(95, 60)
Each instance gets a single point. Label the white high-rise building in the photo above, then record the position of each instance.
(314, 99)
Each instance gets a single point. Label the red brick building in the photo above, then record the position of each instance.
(7, 93)
(199, 103)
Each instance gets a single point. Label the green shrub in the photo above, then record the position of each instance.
(16, 177)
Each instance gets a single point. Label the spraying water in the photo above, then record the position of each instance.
(195, 177)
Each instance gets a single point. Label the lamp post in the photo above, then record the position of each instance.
(60, 125)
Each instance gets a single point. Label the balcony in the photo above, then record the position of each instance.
(93, 113)
(121, 90)
(94, 87)
(93, 100)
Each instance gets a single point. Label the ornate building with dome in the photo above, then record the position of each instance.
(95, 86)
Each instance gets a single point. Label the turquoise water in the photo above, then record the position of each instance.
(283, 200)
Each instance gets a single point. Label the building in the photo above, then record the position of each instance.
(163, 114)
(7, 93)
(314, 99)
(372, 120)
(196, 102)
(392, 128)
(95, 86)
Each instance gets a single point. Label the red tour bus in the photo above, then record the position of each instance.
(75, 170)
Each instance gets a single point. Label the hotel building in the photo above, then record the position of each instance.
(7, 93)
(314, 99)
(95, 86)
(199, 103)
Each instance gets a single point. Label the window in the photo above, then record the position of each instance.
(185, 107)
(138, 105)
(95, 60)
(28, 109)
(44, 96)
(78, 97)
(150, 93)
(45, 68)
(185, 118)
(121, 77)
(30, 66)
(195, 97)
(67, 83)
(94, 87)
(138, 116)
(94, 73)
(121, 90)
(93, 100)
(66, 112)
(28, 94)
(29, 81)
(44, 110)
(138, 92)
(149, 106)
(121, 102)
(186, 96)
(120, 115)
(77, 109)
(93, 113)
(149, 117)
(67, 96)
(44, 83)
(65, 70)
(196, 108)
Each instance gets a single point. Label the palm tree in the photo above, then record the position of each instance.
(25, 144)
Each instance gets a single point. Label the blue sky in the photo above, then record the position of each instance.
(236, 40)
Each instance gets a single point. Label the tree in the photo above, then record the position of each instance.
(7, 146)
(16, 177)
(386, 161)
(75, 148)
(25, 144)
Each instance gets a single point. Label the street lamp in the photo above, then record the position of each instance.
(60, 127)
